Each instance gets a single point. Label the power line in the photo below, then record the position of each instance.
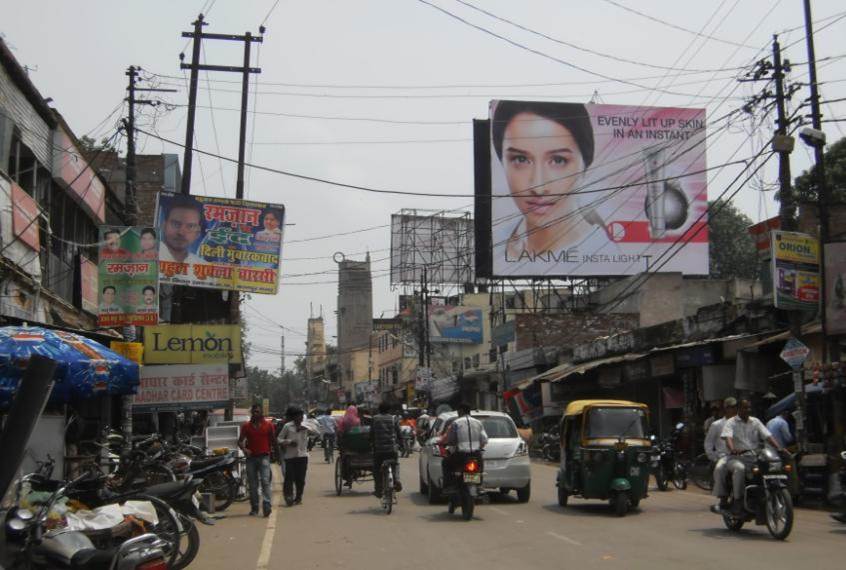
(677, 27)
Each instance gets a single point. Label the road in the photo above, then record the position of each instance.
(670, 530)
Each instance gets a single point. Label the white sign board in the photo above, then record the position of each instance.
(794, 353)
(183, 386)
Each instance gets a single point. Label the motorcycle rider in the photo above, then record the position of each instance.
(385, 437)
(715, 445)
(741, 433)
(467, 435)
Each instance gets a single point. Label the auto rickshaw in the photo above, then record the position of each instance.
(605, 453)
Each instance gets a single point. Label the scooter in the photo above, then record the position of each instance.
(766, 497)
(468, 486)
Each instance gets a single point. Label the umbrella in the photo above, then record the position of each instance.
(85, 368)
(789, 401)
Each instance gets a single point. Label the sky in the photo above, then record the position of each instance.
(382, 93)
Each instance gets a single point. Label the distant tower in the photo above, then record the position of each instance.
(355, 317)
(315, 349)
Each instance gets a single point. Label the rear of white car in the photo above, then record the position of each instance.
(506, 456)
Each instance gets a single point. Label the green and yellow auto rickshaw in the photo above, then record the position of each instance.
(605, 453)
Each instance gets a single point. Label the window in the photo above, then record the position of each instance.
(499, 427)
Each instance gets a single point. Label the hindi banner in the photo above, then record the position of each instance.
(219, 243)
(128, 292)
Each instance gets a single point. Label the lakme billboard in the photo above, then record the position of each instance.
(192, 344)
(567, 189)
(219, 243)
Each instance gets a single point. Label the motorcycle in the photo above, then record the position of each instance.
(669, 466)
(550, 446)
(218, 473)
(766, 497)
(62, 548)
(841, 516)
(407, 440)
(468, 486)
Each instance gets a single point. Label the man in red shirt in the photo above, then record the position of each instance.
(256, 440)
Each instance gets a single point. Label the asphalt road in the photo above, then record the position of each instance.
(669, 530)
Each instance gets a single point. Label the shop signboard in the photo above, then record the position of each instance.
(695, 357)
(458, 325)
(795, 270)
(423, 378)
(441, 389)
(662, 365)
(133, 351)
(504, 333)
(72, 172)
(128, 277)
(566, 189)
(183, 386)
(192, 344)
(636, 371)
(835, 288)
(794, 353)
(25, 213)
(219, 243)
(88, 280)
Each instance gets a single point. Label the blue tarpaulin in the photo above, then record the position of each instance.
(789, 401)
(86, 368)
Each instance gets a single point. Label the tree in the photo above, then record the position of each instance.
(91, 146)
(835, 173)
(732, 250)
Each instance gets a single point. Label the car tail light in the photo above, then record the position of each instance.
(471, 466)
(156, 564)
(522, 449)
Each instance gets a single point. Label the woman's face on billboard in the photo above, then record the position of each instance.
(542, 164)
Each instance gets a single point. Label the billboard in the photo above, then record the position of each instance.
(835, 288)
(73, 173)
(441, 243)
(127, 285)
(192, 344)
(796, 270)
(566, 189)
(218, 243)
(459, 325)
(25, 214)
(201, 386)
(88, 280)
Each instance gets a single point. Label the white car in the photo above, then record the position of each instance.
(506, 457)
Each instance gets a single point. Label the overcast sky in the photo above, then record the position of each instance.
(413, 77)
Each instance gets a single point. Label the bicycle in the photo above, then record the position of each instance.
(389, 496)
(329, 447)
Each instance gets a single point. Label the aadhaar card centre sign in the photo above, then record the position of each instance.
(192, 344)
(567, 189)
(183, 386)
(218, 243)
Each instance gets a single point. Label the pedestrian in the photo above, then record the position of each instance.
(715, 416)
(294, 441)
(256, 441)
(780, 428)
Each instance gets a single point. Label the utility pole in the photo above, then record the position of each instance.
(783, 145)
(282, 352)
(195, 66)
(130, 332)
(830, 346)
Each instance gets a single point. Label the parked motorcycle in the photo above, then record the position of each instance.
(38, 547)
(670, 467)
(219, 474)
(550, 446)
(468, 486)
(841, 516)
(766, 497)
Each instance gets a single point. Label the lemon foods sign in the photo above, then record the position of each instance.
(192, 344)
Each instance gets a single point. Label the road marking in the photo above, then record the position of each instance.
(561, 537)
(269, 532)
(500, 511)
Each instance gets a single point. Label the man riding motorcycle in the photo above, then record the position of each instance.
(741, 433)
(466, 435)
(385, 438)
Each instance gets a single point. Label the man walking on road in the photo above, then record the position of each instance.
(294, 441)
(327, 427)
(256, 441)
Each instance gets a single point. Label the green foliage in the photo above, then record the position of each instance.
(835, 173)
(732, 250)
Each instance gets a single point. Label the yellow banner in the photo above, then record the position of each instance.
(192, 344)
(795, 247)
(133, 351)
